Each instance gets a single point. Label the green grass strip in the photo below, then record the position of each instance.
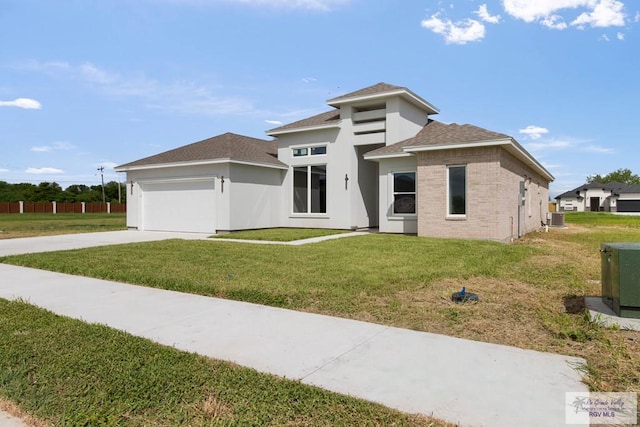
(279, 234)
(69, 373)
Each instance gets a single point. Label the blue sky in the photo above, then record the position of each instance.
(85, 84)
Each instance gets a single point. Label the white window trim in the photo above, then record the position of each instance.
(293, 189)
(392, 193)
(449, 214)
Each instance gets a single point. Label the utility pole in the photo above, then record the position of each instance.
(101, 169)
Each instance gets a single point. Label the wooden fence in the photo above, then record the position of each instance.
(54, 207)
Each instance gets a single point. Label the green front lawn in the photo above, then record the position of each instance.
(67, 373)
(41, 224)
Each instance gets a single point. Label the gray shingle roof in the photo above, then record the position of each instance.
(614, 187)
(327, 118)
(371, 90)
(437, 133)
(229, 146)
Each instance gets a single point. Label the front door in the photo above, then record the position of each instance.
(595, 204)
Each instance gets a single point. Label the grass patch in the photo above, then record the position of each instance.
(66, 372)
(34, 224)
(602, 218)
(279, 234)
(531, 292)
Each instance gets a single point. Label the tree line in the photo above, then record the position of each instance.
(114, 192)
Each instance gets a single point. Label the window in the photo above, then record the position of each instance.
(404, 193)
(457, 189)
(310, 189)
(313, 151)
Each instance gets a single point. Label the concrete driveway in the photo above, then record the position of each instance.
(87, 240)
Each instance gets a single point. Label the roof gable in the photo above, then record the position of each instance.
(439, 136)
(228, 146)
(328, 118)
(436, 133)
(380, 91)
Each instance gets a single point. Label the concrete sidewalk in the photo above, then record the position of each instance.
(472, 383)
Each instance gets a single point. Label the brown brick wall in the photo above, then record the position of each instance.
(492, 194)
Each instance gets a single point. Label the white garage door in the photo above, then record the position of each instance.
(179, 206)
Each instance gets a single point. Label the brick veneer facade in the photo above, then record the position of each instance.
(492, 195)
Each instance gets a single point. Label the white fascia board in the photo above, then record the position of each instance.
(510, 145)
(197, 163)
(387, 156)
(302, 129)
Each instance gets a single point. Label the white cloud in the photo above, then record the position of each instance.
(554, 22)
(620, 36)
(607, 13)
(61, 145)
(273, 122)
(96, 75)
(534, 132)
(2, 170)
(40, 171)
(599, 13)
(309, 79)
(604, 37)
(460, 32)
(567, 144)
(637, 17)
(597, 149)
(26, 103)
(484, 14)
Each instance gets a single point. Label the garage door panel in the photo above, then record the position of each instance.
(629, 205)
(179, 206)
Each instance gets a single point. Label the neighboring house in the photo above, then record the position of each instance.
(375, 159)
(597, 197)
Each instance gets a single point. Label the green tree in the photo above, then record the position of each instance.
(47, 192)
(624, 176)
(78, 193)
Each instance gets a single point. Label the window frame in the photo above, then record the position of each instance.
(308, 151)
(394, 193)
(449, 201)
(309, 190)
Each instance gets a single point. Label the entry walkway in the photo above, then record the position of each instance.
(468, 382)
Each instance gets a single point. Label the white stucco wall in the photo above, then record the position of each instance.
(404, 120)
(255, 195)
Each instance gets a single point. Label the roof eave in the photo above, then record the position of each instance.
(509, 143)
(388, 156)
(125, 168)
(275, 132)
(415, 99)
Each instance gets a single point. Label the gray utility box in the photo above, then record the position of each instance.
(621, 278)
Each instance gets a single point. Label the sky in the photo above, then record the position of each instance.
(90, 84)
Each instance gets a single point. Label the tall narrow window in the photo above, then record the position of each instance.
(457, 189)
(404, 193)
(300, 189)
(310, 189)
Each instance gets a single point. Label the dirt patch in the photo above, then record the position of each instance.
(13, 410)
